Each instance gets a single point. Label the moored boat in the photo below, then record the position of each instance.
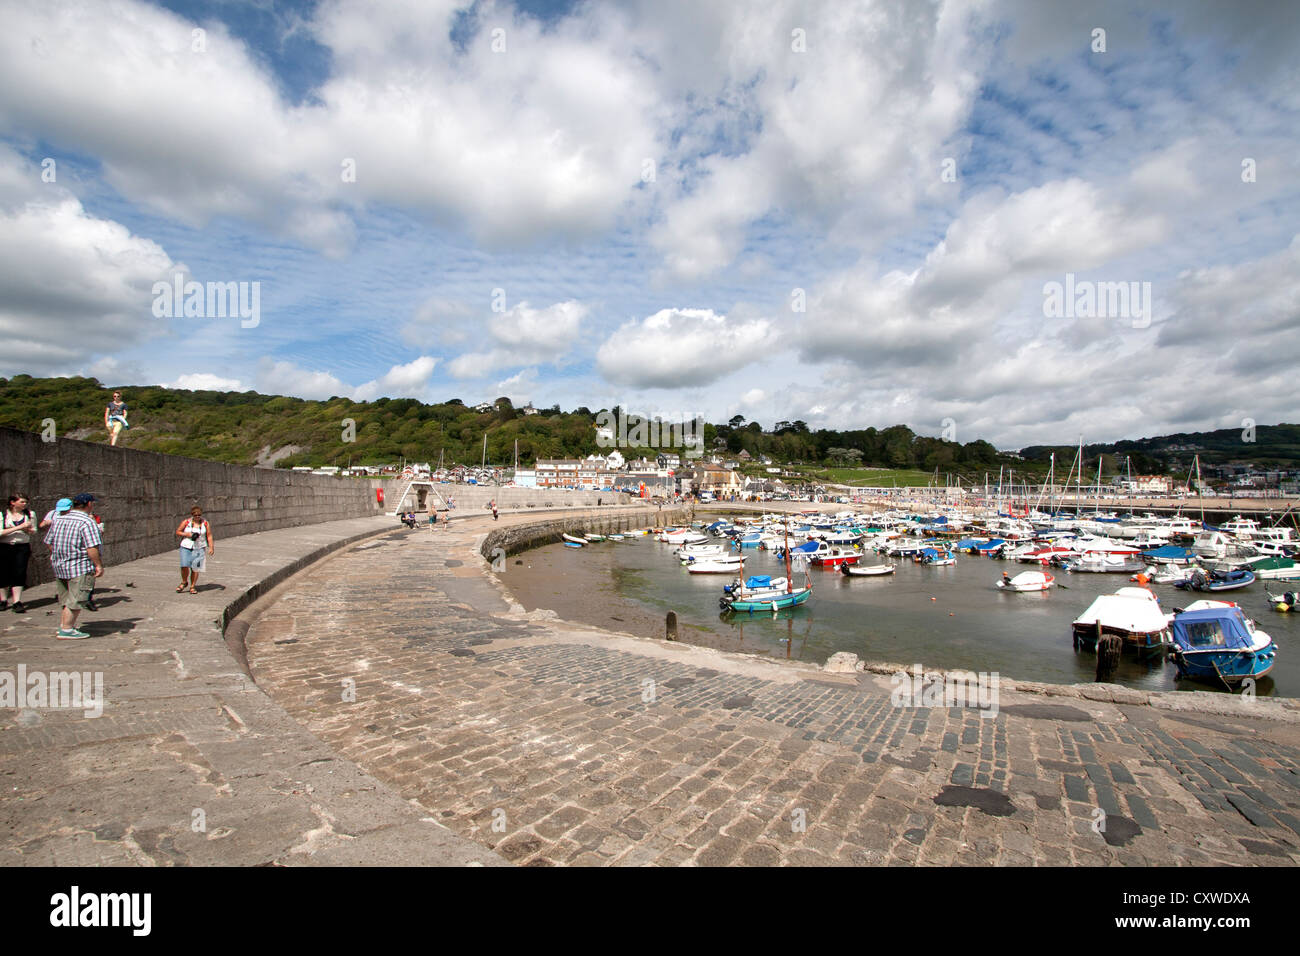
(1026, 581)
(1200, 580)
(1132, 613)
(1220, 644)
(868, 571)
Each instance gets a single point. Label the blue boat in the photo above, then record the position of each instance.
(1216, 581)
(1221, 644)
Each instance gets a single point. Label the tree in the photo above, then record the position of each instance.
(736, 421)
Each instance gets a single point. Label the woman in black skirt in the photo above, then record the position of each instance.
(17, 525)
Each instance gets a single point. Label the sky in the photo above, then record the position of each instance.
(848, 213)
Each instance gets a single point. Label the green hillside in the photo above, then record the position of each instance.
(245, 427)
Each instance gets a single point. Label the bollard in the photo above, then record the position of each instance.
(671, 625)
(1108, 652)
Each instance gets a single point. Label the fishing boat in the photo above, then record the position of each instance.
(868, 571)
(1026, 581)
(771, 602)
(836, 557)
(1132, 613)
(1216, 580)
(767, 603)
(574, 540)
(1220, 644)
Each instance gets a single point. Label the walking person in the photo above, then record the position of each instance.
(73, 541)
(17, 525)
(494, 509)
(196, 544)
(62, 506)
(115, 417)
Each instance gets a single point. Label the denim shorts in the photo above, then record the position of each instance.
(192, 556)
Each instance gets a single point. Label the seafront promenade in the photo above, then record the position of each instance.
(406, 711)
(553, 743)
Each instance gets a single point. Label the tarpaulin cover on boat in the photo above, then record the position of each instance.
(1169, 552)
(758, 581)
(929, 553)
(1212, 629)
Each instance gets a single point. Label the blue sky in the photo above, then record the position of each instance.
(504, 146)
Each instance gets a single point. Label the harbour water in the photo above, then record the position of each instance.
(940, 617)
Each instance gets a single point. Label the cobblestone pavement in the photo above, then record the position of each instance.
(189, 762)
(559, 744)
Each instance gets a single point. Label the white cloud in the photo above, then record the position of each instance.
(72, 285)
(682, 347)
(401, 381)
(205, 381)
(523, 335)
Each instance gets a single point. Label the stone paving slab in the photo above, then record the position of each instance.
(190, 762)
(552, 743)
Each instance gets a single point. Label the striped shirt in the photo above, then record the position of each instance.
(69, 537)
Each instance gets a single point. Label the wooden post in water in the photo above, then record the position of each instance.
(671, 626)
(1109, 648)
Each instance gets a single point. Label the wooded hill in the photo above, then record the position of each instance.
(248, 427)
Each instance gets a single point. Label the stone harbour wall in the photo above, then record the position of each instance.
(521, 537)
(142, 496)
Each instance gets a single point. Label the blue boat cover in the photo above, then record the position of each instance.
(990, 544)
(758, 581)
(929, 553)
(1221, 628)
(1169, 551)
(965, 543)
(806, 548)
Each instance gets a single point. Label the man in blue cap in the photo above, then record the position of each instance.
(74, 543)
(62, 506)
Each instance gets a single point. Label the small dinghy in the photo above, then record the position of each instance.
(574, 540)
(595, 537)
(1284, 602)
(868, 571)
(1027, 581)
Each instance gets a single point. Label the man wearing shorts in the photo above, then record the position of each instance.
(74, 542)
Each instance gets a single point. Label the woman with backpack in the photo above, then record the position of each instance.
(16, 527)
(196, 544)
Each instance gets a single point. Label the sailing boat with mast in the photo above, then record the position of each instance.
(773, 600)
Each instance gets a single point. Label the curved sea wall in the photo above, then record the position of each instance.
(535, 534)
(142, 496)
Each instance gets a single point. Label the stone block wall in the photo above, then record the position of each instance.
(142, 496)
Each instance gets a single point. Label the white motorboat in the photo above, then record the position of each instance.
(1132, 613)
(1027, 581)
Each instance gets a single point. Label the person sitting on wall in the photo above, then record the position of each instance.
(115, 417)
